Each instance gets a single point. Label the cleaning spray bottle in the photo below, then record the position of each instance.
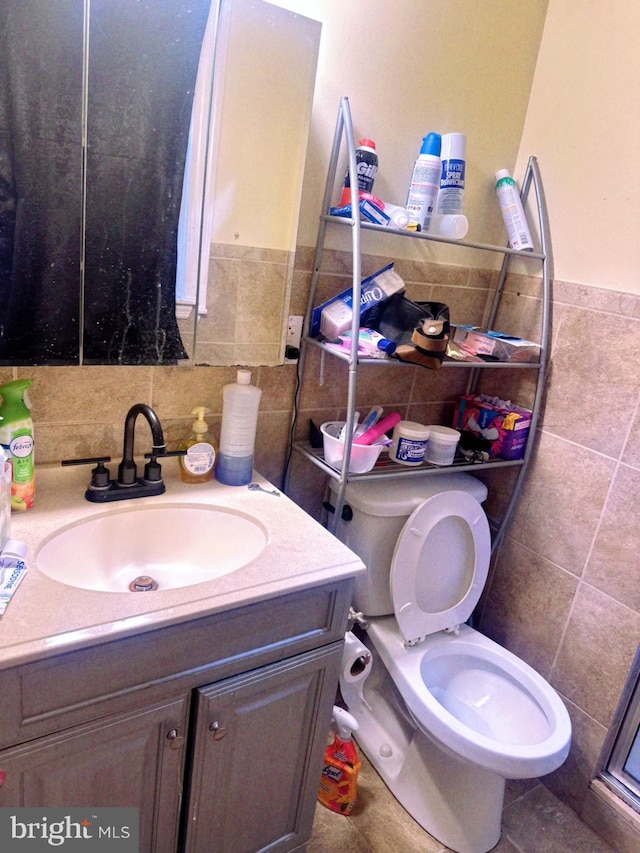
(197, 464)
(16, 437)
(339, 781)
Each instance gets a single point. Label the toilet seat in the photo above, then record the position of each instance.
(440, 565)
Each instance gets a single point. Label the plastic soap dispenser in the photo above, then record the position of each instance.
(339, 780)
(196, 466)
(240, 405)
(16, 437)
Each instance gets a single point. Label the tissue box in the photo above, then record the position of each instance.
(495, 345)
(334, 317)
(501, 432)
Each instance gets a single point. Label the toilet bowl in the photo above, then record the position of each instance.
(446, 714)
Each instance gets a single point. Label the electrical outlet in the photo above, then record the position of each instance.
(294, 334)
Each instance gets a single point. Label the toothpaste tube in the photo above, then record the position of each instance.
(12, 570)
(377, 211)
(371, 344)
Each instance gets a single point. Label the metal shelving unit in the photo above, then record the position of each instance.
(386, 469)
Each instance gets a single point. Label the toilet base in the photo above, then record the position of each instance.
(457, 802)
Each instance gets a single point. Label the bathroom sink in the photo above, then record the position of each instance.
(152, 547)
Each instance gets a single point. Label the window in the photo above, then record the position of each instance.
(196, 211)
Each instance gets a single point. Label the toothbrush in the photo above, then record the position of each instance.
(371, 420)
(342, 435)
(379, 429)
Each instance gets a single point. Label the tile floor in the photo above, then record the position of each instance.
(534, 821)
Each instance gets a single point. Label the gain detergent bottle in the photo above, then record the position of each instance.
(16, 437)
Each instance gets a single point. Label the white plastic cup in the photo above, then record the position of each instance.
(363, 456)
(441, 448)
(410, 441)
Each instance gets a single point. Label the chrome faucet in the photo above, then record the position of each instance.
(127, 470)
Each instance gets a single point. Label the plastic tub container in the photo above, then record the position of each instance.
(441, 448)
(363, 456)
(410, 441)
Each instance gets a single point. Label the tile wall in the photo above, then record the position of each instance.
(564, 593)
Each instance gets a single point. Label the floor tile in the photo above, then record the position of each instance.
(539, 823)
(534, 821)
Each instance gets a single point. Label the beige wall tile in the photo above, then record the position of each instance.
(571, 781)
(614, 564)
(561, 502)
(593, 387)
(596, 653)
(631, 455)
(528, 605)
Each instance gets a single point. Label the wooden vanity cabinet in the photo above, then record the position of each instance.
(214, 728)
(126, 760)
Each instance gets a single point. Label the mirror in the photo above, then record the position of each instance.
(85, 60)
(266, 59)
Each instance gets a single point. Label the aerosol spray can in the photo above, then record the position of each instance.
(425, 181)
(366, 169)
(451, 195)
(515, 220)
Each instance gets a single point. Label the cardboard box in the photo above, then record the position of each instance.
(501, 432)
(495, 346)
(333, 317)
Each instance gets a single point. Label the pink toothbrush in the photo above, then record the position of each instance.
(378, 429)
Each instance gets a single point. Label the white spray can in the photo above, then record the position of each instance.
(425, 181)
(512, 211)
(452, 176)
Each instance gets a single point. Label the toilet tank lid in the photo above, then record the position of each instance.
(401, 496)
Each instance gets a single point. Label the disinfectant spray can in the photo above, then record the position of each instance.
(451, 194)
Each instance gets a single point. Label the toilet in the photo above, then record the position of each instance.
(445, 715)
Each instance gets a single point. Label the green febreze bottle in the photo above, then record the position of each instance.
(16, 437)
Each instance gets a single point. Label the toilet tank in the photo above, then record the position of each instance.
(380, 509)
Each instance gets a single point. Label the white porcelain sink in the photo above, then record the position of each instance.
(174, 545)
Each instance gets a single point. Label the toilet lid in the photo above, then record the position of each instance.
(440, 564)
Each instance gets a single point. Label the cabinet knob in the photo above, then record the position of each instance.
(175, 739)
(217, 730)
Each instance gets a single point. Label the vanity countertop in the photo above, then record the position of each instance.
(45, 617)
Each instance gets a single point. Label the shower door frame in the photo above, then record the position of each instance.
(624, 732)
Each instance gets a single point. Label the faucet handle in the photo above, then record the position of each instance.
(153, 469)
(100, 476)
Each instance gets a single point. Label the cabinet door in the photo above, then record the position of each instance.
(257, 756)
(132, 760)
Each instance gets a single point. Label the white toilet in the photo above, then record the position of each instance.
(446, 715)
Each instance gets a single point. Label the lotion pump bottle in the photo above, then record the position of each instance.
(240, 405)
(196, 466)
(339, 780)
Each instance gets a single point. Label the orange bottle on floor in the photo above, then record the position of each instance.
(339, 780)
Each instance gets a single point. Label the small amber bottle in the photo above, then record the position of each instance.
(196, 466)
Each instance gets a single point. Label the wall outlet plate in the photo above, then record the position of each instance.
(294, 334)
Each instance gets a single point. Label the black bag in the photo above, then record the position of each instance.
(420, 330)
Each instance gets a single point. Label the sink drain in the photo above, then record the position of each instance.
(143, 583)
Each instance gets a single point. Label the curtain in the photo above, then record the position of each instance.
(143, 61)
